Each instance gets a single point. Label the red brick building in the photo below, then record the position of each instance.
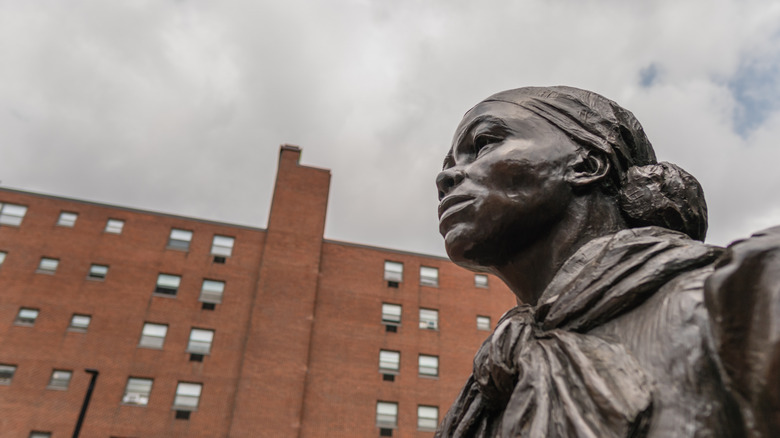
(194, 328)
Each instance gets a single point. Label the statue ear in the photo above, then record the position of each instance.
(587, 167)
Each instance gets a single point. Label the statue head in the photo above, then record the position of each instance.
(521, 158)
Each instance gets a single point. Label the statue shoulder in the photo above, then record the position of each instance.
(742, 297)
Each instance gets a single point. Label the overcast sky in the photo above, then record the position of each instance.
(180, 106)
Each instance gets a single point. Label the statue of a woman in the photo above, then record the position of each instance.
(627, 325)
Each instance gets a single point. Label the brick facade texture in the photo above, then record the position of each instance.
(297, 335)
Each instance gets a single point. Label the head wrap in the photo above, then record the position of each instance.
(649, 193)
(589, 119)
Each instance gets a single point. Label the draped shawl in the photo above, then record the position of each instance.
(541, 375)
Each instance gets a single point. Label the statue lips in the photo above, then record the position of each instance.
(453, 204)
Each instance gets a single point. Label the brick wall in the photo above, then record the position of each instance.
(119, 306)
(344, 382)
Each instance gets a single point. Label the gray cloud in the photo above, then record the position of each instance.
(181, 106)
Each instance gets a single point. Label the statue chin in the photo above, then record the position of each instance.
(469, 264)
(471, 254)
(460, 246)
(454, 244)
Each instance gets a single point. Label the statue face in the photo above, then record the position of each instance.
(503, 184)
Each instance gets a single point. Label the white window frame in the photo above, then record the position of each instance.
(481, 281)
(12, 214)
(180, 239)
(222, 246)
(97, 272)
(114, 226)
(387, 414)
(212, 291)
(48, 265)
(389, 361)
(394, 271)
(483, 323)
(165, 285)
(137, 391)
(428, 365)
(389, 314)
(27, 316)
(429, 319)
(429, 276)
(37, 434)
(3, 255)
(187, 396)
(7, 372)
(79, 322)
(67, 219)
(427, 417)
(60, 379)
(153, 336)
(200, 341)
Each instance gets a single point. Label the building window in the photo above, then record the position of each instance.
(394, 273)
(389, 361)
(429, 319)
(7, 374)
(481, 280)
(3, 254)
(153, 335)
(167, 284)
(211, 291)
(386, 414)
(180, 239)
(427, 417)
(428, 365)
(483, 323)
(60, 379)
(47, 265)
(67, 219)
(114, 226)
(26, 316)
(79, 322)
(12, 214)
(97, 272)
(36, 434)
(391, 314)
(222, 247)
(200, 341)
(187, 396)
(429, 276)
(137, 391)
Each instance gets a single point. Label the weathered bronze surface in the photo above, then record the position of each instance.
(627, 325)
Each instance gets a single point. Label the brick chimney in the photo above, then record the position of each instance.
(271, 387)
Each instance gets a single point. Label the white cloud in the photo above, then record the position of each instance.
(180, 106)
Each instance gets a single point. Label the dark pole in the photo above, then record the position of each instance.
(87, 398)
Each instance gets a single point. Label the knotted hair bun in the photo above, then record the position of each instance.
(663, 195)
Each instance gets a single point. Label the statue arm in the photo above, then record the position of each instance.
(743, 301)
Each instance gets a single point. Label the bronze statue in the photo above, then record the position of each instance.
(627, 325)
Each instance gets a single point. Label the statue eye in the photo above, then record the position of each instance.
(482, 140)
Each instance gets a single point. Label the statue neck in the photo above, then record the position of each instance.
(529, 271)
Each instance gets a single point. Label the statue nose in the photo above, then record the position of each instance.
(447, 179)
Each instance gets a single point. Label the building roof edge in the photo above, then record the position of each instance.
(131, 209)
(382, 249)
